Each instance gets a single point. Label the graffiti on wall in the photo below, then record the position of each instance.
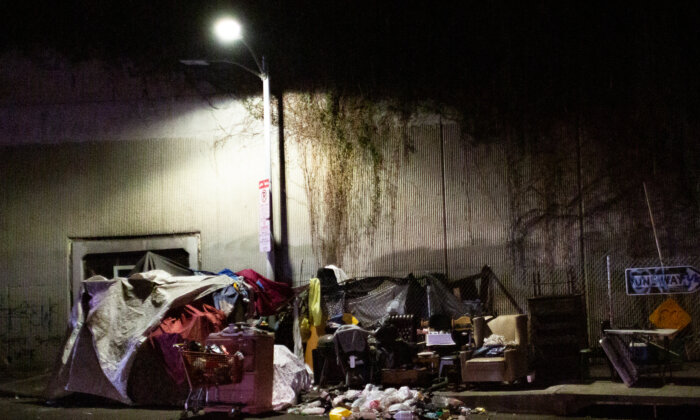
(25, 314)
(28, 332)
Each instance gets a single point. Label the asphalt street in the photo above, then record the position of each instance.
(33, 408)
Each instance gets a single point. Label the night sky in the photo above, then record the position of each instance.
(542, 55)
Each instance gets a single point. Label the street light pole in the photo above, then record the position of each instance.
(265, 232)
(267, 118)
(228, 30)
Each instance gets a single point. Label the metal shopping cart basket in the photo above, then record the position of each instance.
(207, 370)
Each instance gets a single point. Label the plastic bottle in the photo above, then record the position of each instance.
(403, 415)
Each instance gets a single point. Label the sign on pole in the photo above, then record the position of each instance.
(264, 237)
(662, 280)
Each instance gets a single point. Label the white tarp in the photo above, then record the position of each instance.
(291, 376)
(110, 321)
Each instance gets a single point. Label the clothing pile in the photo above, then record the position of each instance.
(494, 346)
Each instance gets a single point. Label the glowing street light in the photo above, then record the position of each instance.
(227, 30)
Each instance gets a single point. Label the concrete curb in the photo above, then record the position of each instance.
(565, 400)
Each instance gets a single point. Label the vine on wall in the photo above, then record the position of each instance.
(347, 150)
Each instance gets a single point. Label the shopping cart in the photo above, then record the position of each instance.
(205, 371)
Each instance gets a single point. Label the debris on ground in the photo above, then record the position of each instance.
(373, 402)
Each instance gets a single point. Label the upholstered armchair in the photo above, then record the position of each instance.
(509, 366)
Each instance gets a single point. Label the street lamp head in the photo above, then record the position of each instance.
(227, 30)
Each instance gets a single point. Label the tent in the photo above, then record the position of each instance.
(106, 352)
(109, 323)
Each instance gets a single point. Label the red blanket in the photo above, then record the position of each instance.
(193, 323)
(269, 295)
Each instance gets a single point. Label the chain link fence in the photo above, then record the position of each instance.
(633, 311)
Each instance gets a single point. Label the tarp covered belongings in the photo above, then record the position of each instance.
(106, 353)
(371, 300)
(192, 323)
(291, 376)
(110, 321)
(269, 295)
(152, 261)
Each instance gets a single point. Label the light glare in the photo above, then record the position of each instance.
(227, 30)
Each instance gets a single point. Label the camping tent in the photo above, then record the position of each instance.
(109, 323)
(106, 353)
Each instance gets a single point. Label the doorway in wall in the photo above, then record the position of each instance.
(119, 264)
(116, 256)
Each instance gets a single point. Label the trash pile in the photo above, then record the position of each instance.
(375, 403)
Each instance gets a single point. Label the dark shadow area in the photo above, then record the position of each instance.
(271, 415)
(503, 387)
(640, 412)
(684, 381)
(649, 382)
(78, 399)
(282, 263)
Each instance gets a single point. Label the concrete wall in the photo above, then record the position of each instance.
(89, 151)
(92, 150)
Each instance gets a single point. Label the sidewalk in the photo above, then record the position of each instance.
(679, 397)
(30, 385)
(681, 391)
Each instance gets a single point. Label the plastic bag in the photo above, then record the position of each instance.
(405, 393)
(395, 408)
